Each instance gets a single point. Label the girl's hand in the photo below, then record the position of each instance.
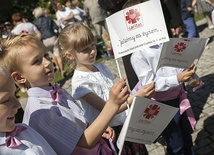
(109, 133)
(187, 74)
(119, 92)
(146, 90)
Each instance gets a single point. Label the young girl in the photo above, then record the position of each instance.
(16, 138)
(91, 82)
(51, 110)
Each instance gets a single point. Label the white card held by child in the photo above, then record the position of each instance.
(145, 121)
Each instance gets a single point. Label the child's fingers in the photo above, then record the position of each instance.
(192, 67)
(120, 84)
(150, 86)
(124, 91)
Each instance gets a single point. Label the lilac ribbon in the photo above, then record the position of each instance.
(185, 106)
(114, 152)
(11, 140)
(55, 93)
(136, 88)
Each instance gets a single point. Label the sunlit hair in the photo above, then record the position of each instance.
(73, 38)
(13, 45)
(38, 12)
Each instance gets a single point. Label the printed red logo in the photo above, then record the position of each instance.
(180, 47)
(151, 111)
(149, 114)
(133, 18)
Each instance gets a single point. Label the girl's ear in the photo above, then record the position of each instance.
(18, 78)
(69, 56)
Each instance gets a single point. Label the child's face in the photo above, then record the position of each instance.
(68, 4)
(8, 104)
(86, 55)
(36, 69)
(59, 6)
(75, 2)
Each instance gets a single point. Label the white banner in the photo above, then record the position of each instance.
(137, 27)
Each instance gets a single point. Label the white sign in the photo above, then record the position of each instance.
(181, 52)
(145, 122)
(137, 27)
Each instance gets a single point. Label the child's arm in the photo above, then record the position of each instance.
(118, 95)
(209, 2)
(194, 2)
(98, 103)
(94, 100)
(68, 18)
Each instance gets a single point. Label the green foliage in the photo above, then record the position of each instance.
(198, 17)
(26, 7)
(45, 4)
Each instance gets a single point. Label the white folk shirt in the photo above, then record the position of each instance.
(99, 83)
(144, 63)
(32, 144)
(61, 125)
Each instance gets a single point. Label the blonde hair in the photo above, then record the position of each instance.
(38, 12)
(12, 46)
(74, 37)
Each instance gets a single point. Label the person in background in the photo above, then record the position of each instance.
(77, 14)
(7, 29)
(205, 8)
(21, 27)
(97, 15)
(47, 27)
(57, 59)
(64, 16)
(16, 139)
(187, 11)
(175, 21)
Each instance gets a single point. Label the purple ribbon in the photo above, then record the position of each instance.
(11, 140)
(103, 148)
(114, 152)
(55, 93)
